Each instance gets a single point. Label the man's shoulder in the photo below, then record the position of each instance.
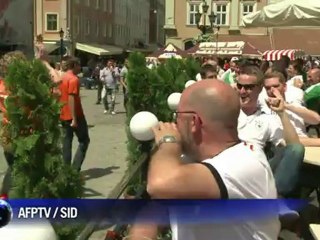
(69, 77)
(250, 161)
(244, 149)
(312, 88)
(123, 70)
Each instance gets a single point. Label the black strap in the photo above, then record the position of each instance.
(217, 177)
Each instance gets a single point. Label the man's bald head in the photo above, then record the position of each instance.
(214, 101)
(314, 76)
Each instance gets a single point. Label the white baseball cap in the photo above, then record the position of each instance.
(234, 59)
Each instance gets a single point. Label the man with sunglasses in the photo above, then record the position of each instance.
(258, 127)
(223, 167)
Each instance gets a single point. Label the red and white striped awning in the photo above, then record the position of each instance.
(274, 55)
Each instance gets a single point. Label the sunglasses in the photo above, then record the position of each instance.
(246, 86)
(175, 114)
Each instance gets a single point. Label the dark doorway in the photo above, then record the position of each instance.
(188, 44)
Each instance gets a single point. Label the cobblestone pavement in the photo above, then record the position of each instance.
(105, 163)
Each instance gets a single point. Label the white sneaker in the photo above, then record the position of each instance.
(105, 111)
(113, 113)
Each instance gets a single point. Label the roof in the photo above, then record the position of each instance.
(260, 42)
(274, 55)
(100, 50)
(170, 50)
(226, 48)
(295, 38)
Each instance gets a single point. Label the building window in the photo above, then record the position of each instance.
(192, 9)
(51, 22)
(88, 27)
(222, 12)
(97, 4)
(110, 30)
(110, 5)
(97, 28)
(248, 7)
(105, 29)
(105, 5)
(88, 2)
(77, 25)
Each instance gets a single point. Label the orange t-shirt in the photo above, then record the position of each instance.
(3, 95)
(70, 85)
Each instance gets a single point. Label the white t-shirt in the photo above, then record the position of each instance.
(260, 128)
(292, 95)
(245, 174)
(291, 81)
(297, 121)
(198, 77)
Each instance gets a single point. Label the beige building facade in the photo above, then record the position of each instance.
(50, 17)
(181, 26)
(88, 25)
(131, 22)
(98, 27)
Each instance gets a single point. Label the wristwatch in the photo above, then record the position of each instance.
(167, 139)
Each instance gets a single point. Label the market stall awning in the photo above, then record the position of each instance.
(238, 48)
(100, 50)
(169, 51)
(220, 48)
(274, 55)
(285, 13)
(50, 47)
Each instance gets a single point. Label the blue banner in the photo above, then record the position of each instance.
(150, 211)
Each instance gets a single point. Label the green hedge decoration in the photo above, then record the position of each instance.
(39, 170)
(148, 91)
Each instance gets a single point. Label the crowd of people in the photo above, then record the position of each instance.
(225, 137)
(225, 125)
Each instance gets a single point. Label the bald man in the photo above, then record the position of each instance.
(311, 96)
(223, 168)
(314, 76)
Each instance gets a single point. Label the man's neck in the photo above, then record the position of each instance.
(71, 71)
(211, 150)
(250, 111)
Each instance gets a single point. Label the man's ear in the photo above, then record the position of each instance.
(285, 87)
(196, 123)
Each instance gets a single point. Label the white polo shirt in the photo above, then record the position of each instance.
(260, 128)
(292, 95)
(297, 121)
(291, 81)
(241, 172)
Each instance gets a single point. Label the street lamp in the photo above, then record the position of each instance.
(61, 33)
(202, 25)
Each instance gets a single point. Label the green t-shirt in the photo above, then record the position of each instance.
(229, 77)
(312, 98)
